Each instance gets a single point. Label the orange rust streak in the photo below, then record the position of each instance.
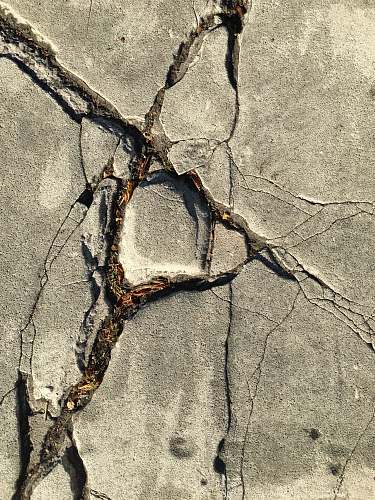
(196, 180)
(127, 193)
(141, 291)
(144, 166)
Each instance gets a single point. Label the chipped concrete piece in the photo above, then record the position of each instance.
(190, 154)
(202, 104)
(187, 250)
(177, 213)
(229, 250)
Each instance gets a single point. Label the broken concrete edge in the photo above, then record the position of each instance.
(37, 58)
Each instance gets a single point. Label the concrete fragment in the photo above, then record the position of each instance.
(229, 250)
(73, 291)
(190, 154)
(166, 231)
(202, 104)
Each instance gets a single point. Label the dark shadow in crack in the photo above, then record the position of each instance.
(44, 86)
(218, 463)
(86, 197)
(23, 413)
(74, 467)
(274, 267)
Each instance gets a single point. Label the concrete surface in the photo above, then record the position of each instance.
(187, 250)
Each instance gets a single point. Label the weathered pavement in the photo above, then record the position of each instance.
(188, 247)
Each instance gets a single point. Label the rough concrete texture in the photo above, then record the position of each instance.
(187, 250)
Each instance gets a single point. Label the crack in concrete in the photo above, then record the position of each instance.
(252, 396)
(98, 494)
(242, 308)
(125, 301)
(226, 378)
(351, 454)
(259, 366)
(25, 444)
(244, 441)
(306, 199)
(43, 281)
(79, 482)
(89, 18)
(366, 334)
(6, 394)
(339, 219)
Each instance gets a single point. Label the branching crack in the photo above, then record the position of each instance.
(52, 255)
(257, 374)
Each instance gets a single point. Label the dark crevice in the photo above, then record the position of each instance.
(76, 471)
(226, 360)
(60, 101)
(219, 464)
(100, 495)
(271, 264)
(231, 61)
(86, 197)
(177, 70)
(88, 185)
(23, 412)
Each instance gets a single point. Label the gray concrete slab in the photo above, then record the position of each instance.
(187, 248)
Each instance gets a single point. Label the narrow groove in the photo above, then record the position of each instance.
(78, 480)
(23, 413)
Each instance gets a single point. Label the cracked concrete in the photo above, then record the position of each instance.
(187, 250)
(164, 406)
